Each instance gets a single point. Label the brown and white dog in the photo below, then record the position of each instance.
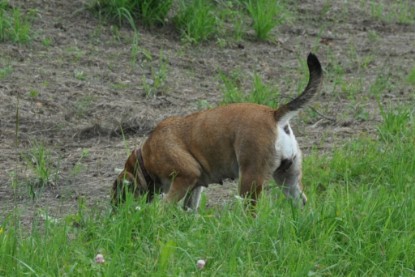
(253, 142)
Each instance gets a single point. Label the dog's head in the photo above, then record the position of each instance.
(131, 179)
(289, 176)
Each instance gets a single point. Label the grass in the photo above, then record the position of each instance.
(260, 93)
(44, 172)
(157, 79)
(410, 78)
(78, 167)
(266, 15)
(147, 12)
(5, 71)
(14, 26)
(402, 11)
(231, 13)
(358, 222)
(395, 124)
(196, 20)
(83, 105)
(199, 20)
(79, 75)
(381, 85)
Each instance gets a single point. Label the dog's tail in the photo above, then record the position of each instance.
(284, 113)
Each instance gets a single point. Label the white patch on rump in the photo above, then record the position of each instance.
(286, 144)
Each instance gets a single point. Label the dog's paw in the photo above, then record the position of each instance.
(303, 198)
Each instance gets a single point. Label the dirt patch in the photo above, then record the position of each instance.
(77, 90)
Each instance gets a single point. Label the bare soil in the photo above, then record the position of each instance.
(75, 87)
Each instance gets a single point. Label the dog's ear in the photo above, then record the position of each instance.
(124, 182)
(289, 110)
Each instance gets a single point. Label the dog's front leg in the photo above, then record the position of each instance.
(192, 199)
(179, 188)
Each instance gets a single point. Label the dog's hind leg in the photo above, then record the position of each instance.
(192, 198)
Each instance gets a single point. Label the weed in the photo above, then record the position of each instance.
(146, 54)
(13, 25)
(260, 93)
(79, 74)
(362, 62)
(157, 79)
(5, 71)
(196, 20)
(203, 104)
(149, 12)
(83, 105)
(135, 49)
(334, 66)
(411, 77)
(327, 5)
(376, 10)
(230, 13)
(221, 42)
(136, 35)
(351, 87)
(38, 159)
(47, 42)
(231, 90)
(380, 85)
(117, 86)
(365, 61)
(373, 36)
(398, 11)
(17, 120)
(266, 15)
(395, 124)
(33, 93)
(360, 113)
(76, 52)
(154, 11)
(79, 167)
(115, 31)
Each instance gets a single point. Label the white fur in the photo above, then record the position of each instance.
(286, 144)
(284, 120)
(194, 198)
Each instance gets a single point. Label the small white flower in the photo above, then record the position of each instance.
(200, 264)
(99, 259)
(239, 198)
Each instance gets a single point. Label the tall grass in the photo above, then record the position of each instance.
(358, 221)
(266, 15)
(38, 159)
(14, 26)
(196, 20)
(147, 12)
(402, 11)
